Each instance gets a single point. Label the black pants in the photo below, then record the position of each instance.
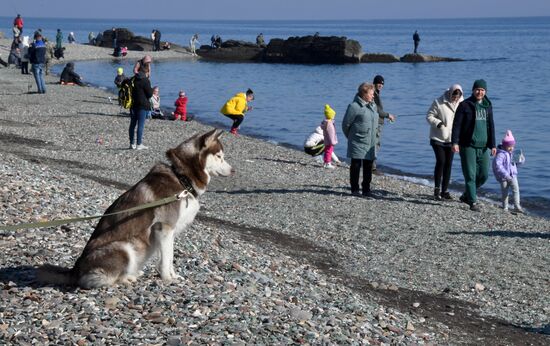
(237, 120)
(355, 170)
(25, 67)
(443, 164)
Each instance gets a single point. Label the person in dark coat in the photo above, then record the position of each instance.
(69, 76)
(141, 93)
(37, 58)
(416, 39)
(359, 126)
(473, 137)
(378, 82)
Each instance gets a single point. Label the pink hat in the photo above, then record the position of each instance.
(508, 139)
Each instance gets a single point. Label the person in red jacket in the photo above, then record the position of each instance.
(181, 107)
(18, 22)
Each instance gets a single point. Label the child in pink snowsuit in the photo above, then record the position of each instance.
(181, 107)
(329, 134)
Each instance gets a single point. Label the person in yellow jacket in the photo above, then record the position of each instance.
(235, 108)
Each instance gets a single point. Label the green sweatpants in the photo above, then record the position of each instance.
(475, 168)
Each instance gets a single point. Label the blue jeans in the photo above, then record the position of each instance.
(137, 117)
(37, 70)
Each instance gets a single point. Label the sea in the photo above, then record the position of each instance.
(511, 54)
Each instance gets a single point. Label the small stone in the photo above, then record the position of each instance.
(479, 287)
(415, 305)
(410, 326)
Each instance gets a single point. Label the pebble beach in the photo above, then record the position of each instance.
(280, 253)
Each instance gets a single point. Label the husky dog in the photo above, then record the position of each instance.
(121, 244)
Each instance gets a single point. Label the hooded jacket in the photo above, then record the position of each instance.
(142, 92)
(37, 53)
(236, 105)
(69, 76)
(359, 126)
(465, 121)
(441, 115)
(504, 167)
(181, 105)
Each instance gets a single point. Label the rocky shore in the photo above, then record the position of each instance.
(279, 254)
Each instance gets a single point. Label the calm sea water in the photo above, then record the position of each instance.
(510, 53)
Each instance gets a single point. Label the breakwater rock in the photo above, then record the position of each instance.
(294, 50)
(426, 58)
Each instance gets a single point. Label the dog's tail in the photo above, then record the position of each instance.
(50, 274)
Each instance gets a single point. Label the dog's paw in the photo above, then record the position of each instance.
(128, 280)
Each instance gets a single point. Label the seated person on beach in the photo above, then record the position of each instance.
(117, 51)
(315, 144)
(166, 46)
(123, 51)
(69, 77)
(156, 112)
(181, 107)
(120, 77)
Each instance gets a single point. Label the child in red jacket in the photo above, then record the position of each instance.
(181, 107)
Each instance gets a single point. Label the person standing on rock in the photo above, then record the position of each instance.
(260, 42)
(37, 57)
(193, 43)
(416, 39)
(115, 37)
(156, 40)
(473, 137)
(440, 117)
(382, 115)
(359, 126)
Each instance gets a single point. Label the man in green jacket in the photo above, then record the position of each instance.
(473, 137)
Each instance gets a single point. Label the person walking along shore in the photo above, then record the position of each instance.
(473, 137)
(440, 117)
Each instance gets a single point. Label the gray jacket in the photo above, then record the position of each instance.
(359, 127)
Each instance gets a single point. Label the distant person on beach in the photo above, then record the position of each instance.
(166, 46)
(37, 58)
(329, 136)
(123, 51)
(440, 117)
(59, 39)
(260, 42)
(181, 107)
(506, 171)
(473, 137)
(156, 40)
(236, 107)
(91, 38)
(69, 76)
(218, 42)
(18, 23)
(315, 144)
(193, 42)
(156, 111)
(114, 37)
(16, 32)
(378, 82)
(213, 41)
(416, 39)
(359, 126)
(120, 77)
(146, 60)
(71, 38)
(24, 49)
(141, 94)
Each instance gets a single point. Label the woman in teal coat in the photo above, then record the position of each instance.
(359, 127)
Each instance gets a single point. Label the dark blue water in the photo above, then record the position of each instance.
(510, 53)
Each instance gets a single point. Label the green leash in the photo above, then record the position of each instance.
(78, 219)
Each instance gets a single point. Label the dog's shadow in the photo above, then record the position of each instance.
(20, 276)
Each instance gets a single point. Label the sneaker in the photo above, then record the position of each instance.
(462, 198)
(329, 166)
(356, 193)
(474, 207)
(519, 210)
(234, 132)
(141, 147)
(446, 196)
(132, 146)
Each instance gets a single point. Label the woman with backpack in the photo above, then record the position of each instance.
(141, 93)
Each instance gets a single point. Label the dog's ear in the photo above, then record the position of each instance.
(210, 137)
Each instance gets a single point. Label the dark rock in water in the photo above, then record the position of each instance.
(232, 50)
(379, 57)
(426, 58)
(127, 38)
(313, 50)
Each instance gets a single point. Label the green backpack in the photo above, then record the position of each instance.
(125, 93)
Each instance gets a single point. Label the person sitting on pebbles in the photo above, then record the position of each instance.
(69, 76)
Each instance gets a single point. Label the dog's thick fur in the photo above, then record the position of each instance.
(121, 244)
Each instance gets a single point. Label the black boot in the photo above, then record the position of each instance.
(437, 194)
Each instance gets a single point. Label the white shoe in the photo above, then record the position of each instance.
(329, 166)
(132, 146)
(141, 147)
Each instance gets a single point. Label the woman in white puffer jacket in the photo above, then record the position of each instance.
(440, 117)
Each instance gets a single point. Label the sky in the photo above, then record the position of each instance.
(275, 9)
